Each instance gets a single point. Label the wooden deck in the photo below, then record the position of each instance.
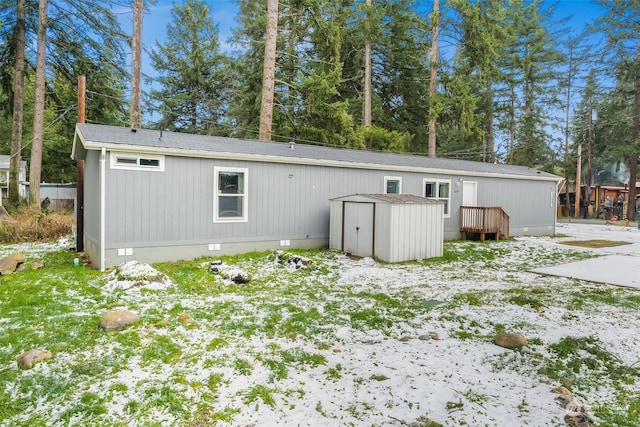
(483, 220)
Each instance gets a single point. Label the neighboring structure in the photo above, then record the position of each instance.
(59, 197)
(389, 227)
(156, 196)
(4, 178)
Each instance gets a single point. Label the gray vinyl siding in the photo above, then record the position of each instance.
(92, 207)
(175, 207)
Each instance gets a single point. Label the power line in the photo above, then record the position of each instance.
(69, 108)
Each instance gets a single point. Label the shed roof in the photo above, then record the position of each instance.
(95, 137)
(405, 199)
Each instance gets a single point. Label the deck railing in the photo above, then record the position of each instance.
(484, 220)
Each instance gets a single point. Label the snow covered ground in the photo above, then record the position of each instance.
(439, 362)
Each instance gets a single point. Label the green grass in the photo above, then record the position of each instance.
(261, 336)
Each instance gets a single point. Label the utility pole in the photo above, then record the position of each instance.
(80, 172)
(589, 157)
(136, 65)
(578, 173)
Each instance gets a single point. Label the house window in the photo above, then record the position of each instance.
(132, 161)
(230, 201)
(439, 190)
(392, 185)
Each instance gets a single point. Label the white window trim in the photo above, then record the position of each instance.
(245, 197)
(392, 178)
(438, 182)
(138, 158)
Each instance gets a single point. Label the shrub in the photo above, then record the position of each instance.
(30, 224)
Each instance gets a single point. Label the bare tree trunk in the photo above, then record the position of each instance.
(433, 83)
(489, 148)
(512, 125)
(566, 134)
(18, 110)
(136, 60)
(366, 109)
(38, 110)
(269, 71)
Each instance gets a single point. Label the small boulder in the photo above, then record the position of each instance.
(28, 358)
(561, 390)
(37, 265)
(18, 257)
(118, 320)
(185, 319)
(10, 263)
(510, 340)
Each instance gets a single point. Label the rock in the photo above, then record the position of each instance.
(561, 390)
(579, 420)
(9, 263)
(563, 400)
(239, 277)
(28, 358)
(118, 320)
(293, 261)
(566, 382)
(510, 340)
(37, 265)
(404, 338)
(18, 257)
(235, 275)
(185, 319)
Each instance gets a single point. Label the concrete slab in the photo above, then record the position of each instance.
(614, 265)
(619, 270)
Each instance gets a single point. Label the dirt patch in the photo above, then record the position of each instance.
(595, 243)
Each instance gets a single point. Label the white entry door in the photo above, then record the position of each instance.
(469, 193)
(358, 228)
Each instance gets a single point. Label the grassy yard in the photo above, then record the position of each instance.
(339, 342)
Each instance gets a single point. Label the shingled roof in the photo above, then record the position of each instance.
(95, 137)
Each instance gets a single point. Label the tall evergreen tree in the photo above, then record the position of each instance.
(192, 95)
(621, 24)
(35, 166)
(18, 105)
(482, 40)
(79, 33)
(531, 82)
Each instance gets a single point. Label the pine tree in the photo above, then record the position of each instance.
(192, 94)
(621, 24)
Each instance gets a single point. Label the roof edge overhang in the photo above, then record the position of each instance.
(89, 145)
(79, 152)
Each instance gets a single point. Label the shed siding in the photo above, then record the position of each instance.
(409, 225)
(383, 237)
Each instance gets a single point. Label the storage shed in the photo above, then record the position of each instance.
(388, 227)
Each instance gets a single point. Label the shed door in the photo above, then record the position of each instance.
(469, 193)
(358, 228)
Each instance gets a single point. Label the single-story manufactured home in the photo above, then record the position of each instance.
(156, 196)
